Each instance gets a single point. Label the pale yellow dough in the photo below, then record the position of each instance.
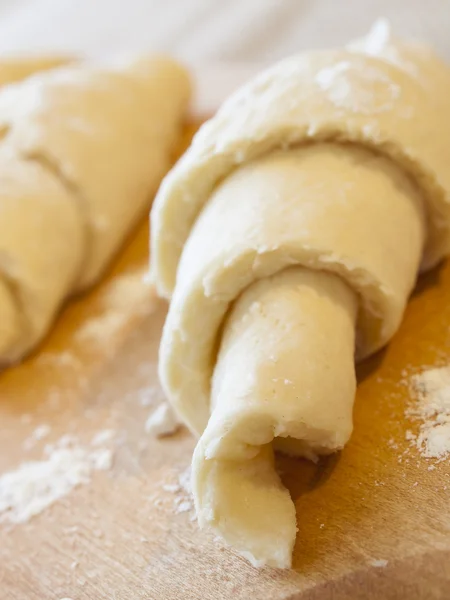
(321, 206)
(16, 68)
(283, 333)
(289, 238)
(82, 150)
(42, 241)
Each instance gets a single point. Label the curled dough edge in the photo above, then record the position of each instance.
(288, 240)
(273, 359)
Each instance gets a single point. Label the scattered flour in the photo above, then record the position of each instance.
(431, 390)
(183, 501)
(126, 296)
(36, 485)
(38, 434)
(185, 481)
(173, 488)
(379, 563)
(103, 436)
(59, 359)
(363, 91)
(100, 329)
(150, 395)
(183, 505)
(163, 421)
(101, 460)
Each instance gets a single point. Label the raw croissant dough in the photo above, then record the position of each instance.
(81, 152)
(288, 237)
(17, 68)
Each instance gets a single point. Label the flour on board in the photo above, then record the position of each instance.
(149, 395)
(35, 485)
(379, 563)
(37, 435)
(59, 359)
(183, 501)
(126, 296)
(163, 421)
(103, 436)
(431, 390)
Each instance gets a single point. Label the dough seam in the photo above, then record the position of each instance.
(421, 177)
(52, 168)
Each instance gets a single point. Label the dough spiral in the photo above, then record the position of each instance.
(288, 238)
(82, 150)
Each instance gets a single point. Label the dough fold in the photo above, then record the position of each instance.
(323, 207)
(289, 238)
(282, 334)
(106, 133)
(320, 96)
(82, 152)
(42, 241)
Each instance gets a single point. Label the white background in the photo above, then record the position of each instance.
(208, 33)
(211, 30)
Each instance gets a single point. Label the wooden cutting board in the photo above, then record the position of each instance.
(373, 523)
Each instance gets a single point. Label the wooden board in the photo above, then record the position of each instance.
(121, 536)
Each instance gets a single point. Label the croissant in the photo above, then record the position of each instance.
(82, 150)
(288, 239)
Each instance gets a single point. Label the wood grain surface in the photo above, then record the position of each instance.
(121, 536)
